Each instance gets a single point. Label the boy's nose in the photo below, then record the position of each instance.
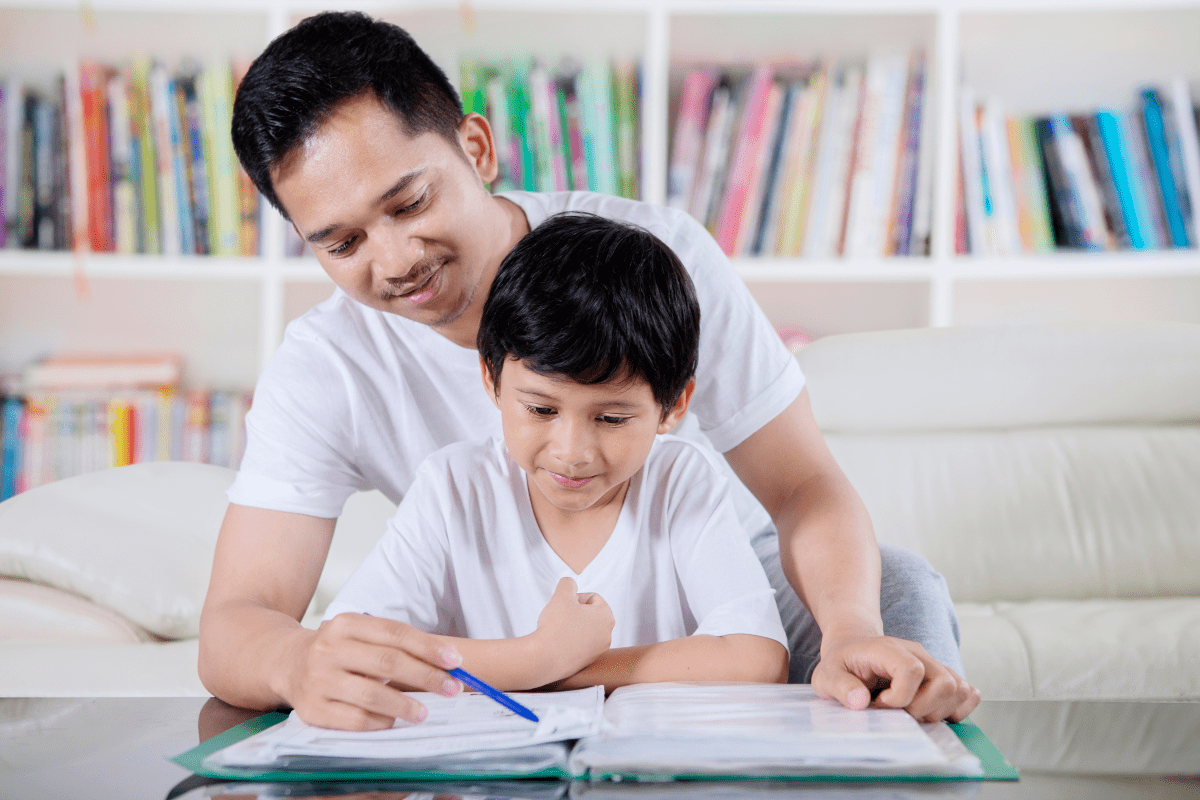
(574, 443)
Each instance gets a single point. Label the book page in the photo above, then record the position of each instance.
(467, 723)
(757, 729)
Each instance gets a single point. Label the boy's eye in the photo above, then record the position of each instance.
(540, 411)
(610, 420)
(344, 247)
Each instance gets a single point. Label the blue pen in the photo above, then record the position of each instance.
(497, 695)
(481, 687)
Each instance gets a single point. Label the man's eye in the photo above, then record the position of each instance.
(344, 247)
(411, 206)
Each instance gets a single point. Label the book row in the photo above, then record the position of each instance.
(50, 435)
(569, 127)
(133, 159)
(1112, 179)
(818, 160)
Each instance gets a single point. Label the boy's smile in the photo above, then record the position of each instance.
(578, 444)
(401, 223)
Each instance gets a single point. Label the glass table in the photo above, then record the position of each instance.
(109, 748)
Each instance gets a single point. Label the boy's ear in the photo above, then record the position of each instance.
(680, 408)
(489, 385)
(475, 137)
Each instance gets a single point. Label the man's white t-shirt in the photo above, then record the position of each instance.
(355, 398)
(463, 555)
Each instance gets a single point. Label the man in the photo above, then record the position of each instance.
(349, 129)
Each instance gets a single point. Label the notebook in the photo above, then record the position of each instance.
(659, 731)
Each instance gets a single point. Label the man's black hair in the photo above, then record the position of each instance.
(592, 299)
(306, 72)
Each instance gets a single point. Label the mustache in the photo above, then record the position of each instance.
(416, 276)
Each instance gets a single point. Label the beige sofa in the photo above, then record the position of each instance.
(1051, 473)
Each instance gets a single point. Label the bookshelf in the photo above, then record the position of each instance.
(226, 315)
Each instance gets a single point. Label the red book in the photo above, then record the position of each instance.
(92, 82)
(741, 170)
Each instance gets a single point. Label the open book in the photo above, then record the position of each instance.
(647, 731)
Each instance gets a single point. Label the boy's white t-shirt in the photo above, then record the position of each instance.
(463, 555)
(355, 398)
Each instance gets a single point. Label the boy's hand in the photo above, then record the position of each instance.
(575, 628)
(900, 673)
(344, 667)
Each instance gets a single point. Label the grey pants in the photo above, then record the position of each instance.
(913, 600)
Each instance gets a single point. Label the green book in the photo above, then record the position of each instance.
(656, 732)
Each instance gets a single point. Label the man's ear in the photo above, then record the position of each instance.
(489, 385)
(680, 408)
(475, 137)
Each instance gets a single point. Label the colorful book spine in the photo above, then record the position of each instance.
(899, 238)
(92, 81)
(165, 143)
(688, 138)
(11, 421)
(1135, 215)
(13, 111)
(1160, 160)
(1143, 173)
(625, 134)
(1189, 146)
(745, 159)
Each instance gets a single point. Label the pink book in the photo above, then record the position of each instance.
(688, 140)
(751, 140)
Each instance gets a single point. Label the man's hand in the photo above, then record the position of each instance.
(342, 672)
(575, 628)
(898, 673)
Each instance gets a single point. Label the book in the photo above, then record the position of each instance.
(1142, 173)
(974, 191)
(721, 120)
(785, 235)
(1088, 130)
(1029, 184)
(822, 238)
(1160, 162)
(900, 229)
(626, 94)
(654, 732)
(748, 141)
(1189, 145)
(688, 137)
(88, 371)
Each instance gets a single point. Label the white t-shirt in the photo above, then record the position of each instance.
(355, 398)
(463, 555)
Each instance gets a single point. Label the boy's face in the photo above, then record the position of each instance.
(401, 224)
(578, 444)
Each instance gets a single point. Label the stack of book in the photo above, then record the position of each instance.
(574, 127)
(818, 160)
(74, 414)
(126, 160)
(1112, 179)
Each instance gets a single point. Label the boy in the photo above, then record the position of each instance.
(587, 344)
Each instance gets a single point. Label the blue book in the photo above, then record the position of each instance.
(179, 168)
(1160, 158)
(10, 448)
(1120, 162)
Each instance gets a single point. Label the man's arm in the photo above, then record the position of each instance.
(733, 657)
(255, 654)
(828, 552)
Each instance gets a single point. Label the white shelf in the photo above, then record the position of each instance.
(1030, 53)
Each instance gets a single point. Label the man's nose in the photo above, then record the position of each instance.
(396, 254)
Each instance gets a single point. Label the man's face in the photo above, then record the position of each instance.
(401, 224)
(578, 444)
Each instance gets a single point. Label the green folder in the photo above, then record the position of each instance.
(995, 766)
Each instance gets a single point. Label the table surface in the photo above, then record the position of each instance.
(101, 748)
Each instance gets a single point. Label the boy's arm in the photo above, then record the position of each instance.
(734, 657)
(573, 629)
(255, 654)
(830, 556)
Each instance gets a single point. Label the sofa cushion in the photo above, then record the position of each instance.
(1137, 649)
(138, 540)
(31, 612)
(1081, 512)
(158, 669)
(1005, 377)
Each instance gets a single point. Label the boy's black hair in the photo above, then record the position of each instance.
(592, 299)
(306, 72)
